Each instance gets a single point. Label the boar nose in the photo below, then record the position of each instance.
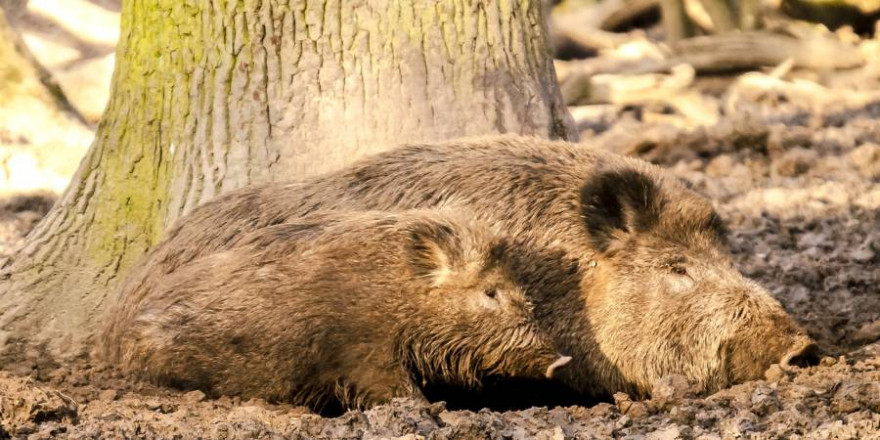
(559, 363)
(806, 354)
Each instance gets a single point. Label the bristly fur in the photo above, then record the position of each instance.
(339, 309)
(654, 292)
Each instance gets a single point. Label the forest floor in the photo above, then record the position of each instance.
(802, 199)
(795, 172)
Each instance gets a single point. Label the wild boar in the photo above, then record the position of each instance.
(339, 309)
(655, 293)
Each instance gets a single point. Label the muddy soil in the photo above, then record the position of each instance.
(802, 200)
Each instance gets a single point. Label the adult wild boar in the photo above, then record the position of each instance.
(656, 291)
(340, 308)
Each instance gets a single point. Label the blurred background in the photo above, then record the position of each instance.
(74, 41)
(682, 62)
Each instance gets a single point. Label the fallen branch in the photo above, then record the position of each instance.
(594, 28)
(749, 50)
(626, 89)
(18, 68)
(626, 12)
(717, 53)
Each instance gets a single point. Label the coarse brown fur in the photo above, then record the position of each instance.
(350, 309)
(656, 290)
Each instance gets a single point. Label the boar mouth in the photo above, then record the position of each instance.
(559, 363)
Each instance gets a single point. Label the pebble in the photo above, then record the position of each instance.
(795, 162)
(846, 398)
(862, 254)
(109, 395)
(775, 373)
(866, 159)
(764, 401)
(668, 433)
(827, 361)
(638, 411)
(669, 389)
(194, 396)
(867, 333)
(623, 402)
(160, 406)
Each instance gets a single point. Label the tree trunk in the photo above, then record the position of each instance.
(215, 95)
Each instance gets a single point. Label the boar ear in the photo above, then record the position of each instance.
(618, 201)
(430, 251)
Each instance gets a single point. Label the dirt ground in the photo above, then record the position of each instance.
(797, 179)
(802, 200)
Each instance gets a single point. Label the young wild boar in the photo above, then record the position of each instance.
(346, 309)
(655, 292)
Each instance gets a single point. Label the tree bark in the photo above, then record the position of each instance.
(215, 95)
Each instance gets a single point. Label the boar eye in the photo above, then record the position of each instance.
(492, 293)
(678, 270)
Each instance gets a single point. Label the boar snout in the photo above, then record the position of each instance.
(559, 363)
(805, 354)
